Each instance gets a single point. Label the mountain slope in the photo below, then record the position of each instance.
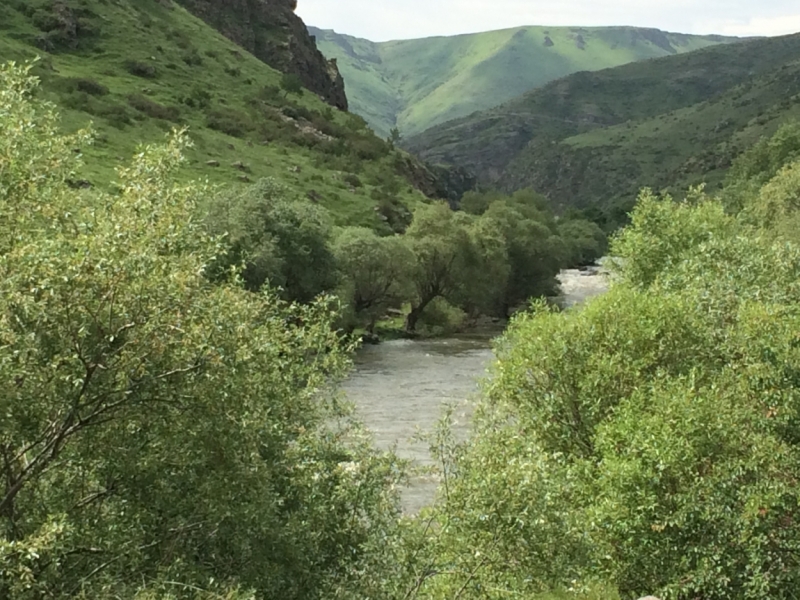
(415, 84)
(139, 68)
(596, 137)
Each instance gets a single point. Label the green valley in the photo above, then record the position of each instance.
(592, 139)
(416, 84)
(198, 241)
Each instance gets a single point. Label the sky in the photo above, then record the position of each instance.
(381, 20)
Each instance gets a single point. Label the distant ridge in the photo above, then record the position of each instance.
(416, 84)
(594, 139)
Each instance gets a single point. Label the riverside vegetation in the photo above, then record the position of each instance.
(448, 268)
(169, 427)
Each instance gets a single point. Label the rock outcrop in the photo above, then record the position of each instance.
(271, 31)
(437, 181)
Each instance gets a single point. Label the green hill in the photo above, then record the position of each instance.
(416, 84)
(598, 137)
(138, 69)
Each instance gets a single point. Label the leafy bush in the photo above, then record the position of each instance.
(230, 122)
(369, 147)
(585, 242)
(376, 273)
(648, 440)
(199, 98)
(193, 58)
(141, 69)
(90, 86)
(441, 318)
(352, 180)
(280, 241)
(153, 109)
(46, 20)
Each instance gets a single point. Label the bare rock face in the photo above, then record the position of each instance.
(438, 181)
(271, 31)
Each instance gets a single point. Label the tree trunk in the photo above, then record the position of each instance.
(416, 312)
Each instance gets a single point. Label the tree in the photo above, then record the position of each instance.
(485, 270)
(283, 242)
(477, 203)
(376, 272)
(649, 440)
(162, 435)
(440, 241)
(291, 84)
(395, 137)
(535, 252)
(584, 240)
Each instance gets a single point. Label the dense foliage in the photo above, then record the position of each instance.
(648, 442)
(170, 429)
(488, 259)
(162, 435)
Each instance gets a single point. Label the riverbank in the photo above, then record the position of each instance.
(576, 286)
(400, 386)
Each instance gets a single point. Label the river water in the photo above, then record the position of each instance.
(400, 387)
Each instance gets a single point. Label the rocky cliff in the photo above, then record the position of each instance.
(271, 31)
(437, 181)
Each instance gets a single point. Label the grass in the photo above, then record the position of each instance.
(416, 84)
(594, 139)
(138, 69)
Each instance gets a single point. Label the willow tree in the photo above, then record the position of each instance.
(376, 272)
(439, 239)
(284, 241)
(649, 441)
(161, 433)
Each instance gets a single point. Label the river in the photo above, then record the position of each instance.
(400, 387)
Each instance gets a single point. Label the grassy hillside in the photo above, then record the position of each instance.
(415, 84)
(598, 137)
(139, 68)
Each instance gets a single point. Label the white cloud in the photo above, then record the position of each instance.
(400, 19)
(761, 26)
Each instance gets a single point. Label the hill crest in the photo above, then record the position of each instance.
(593, 138)
(416, 84)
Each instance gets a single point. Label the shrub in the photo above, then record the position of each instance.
(441, 318)
(141, 69)
(196, 425)
(369, 147)
(153, 109)
(230, 122)
(352, 180)
(46, 20)
(193, 58)
(116, 115)
(90, 86)
(297, 112)
(200, 98)
(271, 94)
